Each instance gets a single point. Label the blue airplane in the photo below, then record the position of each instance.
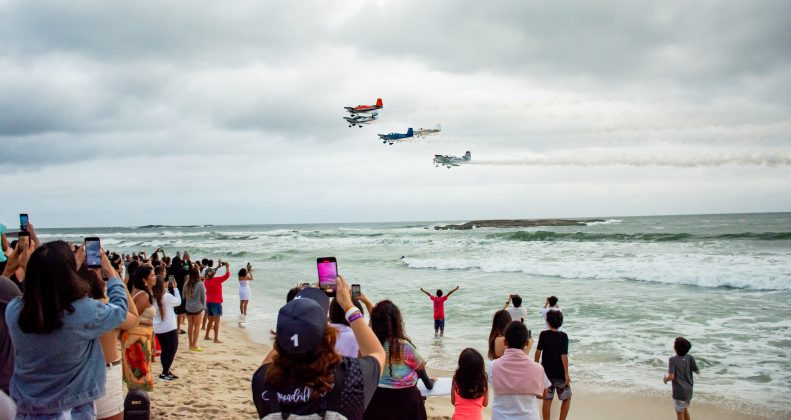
(395, 137)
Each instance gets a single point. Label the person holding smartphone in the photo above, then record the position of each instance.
(303, 360)
(59, 326)
(245, 277)
(213, 285)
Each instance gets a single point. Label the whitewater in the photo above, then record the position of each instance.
(628, 287)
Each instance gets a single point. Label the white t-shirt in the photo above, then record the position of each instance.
(167, 324)
(515, 406)
(517, 314)
(346, 345)
(543, 312)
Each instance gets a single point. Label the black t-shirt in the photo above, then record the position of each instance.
(179, 269)
(553, 344)
(356, 380)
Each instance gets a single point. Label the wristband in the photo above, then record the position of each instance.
(357, 315)
(350, 311)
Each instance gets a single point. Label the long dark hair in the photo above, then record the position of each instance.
(192, 282)
(159, 292)
(315, 370)
(387, 324)
(130, 272)
(138, 280)
(51, 285)
(95, 282)
(470, 376)
(500, 320)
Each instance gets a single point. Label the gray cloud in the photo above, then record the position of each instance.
(127, 90)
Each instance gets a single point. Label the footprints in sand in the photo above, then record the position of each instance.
(212, 384)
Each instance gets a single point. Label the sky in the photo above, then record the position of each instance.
(196, 112)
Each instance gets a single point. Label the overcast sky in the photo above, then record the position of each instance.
(184, 112)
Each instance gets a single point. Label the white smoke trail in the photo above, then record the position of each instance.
(678, 161)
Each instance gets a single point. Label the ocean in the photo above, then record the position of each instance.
(628, 286)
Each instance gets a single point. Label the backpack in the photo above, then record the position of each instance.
(137, 406)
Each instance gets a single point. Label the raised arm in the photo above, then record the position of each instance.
(451, 292)
(507, 302)
(427, 293)
(369, 306)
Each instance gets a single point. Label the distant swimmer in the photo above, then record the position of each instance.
(439, 310)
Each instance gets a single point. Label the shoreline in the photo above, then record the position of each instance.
(216, 383)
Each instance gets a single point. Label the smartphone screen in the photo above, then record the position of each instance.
(328, 272)
(23, 221)
(92, 252)
(355, 291)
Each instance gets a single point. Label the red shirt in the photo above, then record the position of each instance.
(214, 287)
(439, 307)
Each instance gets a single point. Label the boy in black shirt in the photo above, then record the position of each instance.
(554, 345)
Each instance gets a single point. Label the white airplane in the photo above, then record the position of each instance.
(448, 161)
(423, 132)
(359, 120)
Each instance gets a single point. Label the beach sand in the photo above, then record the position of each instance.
(216, 384)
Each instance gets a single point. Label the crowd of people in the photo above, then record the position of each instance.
(72, 335)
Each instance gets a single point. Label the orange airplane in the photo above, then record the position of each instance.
(361, 109)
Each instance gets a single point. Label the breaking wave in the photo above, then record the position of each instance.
(546, 236)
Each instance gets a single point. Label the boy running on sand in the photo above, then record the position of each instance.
(439, 309)
(679, 371)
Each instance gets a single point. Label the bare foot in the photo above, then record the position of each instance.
(217, 341)
(206, 338)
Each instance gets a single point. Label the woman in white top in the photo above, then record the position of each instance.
(165, 324)
(245, 277)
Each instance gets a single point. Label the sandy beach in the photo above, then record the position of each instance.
(216, 384)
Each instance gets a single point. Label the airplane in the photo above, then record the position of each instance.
(423, 132)
(359, 120)
(390, 138)
(361, 109)
(448, 161)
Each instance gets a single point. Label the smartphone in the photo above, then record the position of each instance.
(24, 237)
(23, 221)
(171, 279)
(328, 274)
(93, 257)
(355, 291)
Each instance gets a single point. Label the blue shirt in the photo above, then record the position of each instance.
(64, 368)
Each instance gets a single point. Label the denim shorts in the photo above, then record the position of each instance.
(83, 412)
(213, 309)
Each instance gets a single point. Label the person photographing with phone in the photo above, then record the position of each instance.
(439, 309)
(245, 277)
(213, 285)
(303, 375)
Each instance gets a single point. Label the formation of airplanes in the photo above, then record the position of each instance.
(365, 114)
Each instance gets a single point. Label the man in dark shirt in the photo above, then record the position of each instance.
(554, 346)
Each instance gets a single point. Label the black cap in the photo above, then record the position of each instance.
(301, 323)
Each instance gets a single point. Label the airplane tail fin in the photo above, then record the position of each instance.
(409, 132)
(467, 156)
(379, 103)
